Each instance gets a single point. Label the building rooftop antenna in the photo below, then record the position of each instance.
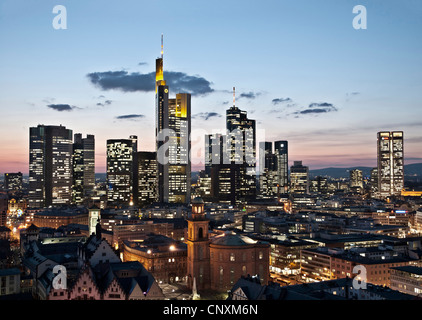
(234, 97)
(162, 46)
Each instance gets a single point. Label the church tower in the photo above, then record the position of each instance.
(198, 247)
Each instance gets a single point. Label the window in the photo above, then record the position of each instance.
(232, 257)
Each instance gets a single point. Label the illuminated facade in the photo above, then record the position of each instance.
(281, 151)
(83, 163)
(121, 171)
(356, 180)
(390, 163)
(173, 127)
(241, 141)
(164, 257)
(147, 178)
(299, 179)
(268, 178)
(13, 181)
(50, 166)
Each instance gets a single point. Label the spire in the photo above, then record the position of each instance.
(234, 97)
(162, 46)
(98, 229)
(159, 73)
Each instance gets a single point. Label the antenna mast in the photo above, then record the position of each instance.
(234, 97)
(162, 46)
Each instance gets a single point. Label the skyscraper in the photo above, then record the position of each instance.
(241, 140)
(120, 171)
(390, 163)
(83, 164)
(281, 151)
(268, 179)
(147, 178)
(299, 180)
(173, 127)
(356, 179)
(13, 181)
(50, 166)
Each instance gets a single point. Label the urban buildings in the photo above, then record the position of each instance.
(282, 153)
(147, 178)
(13, 181)
(172, 132)
(83, 164)
(121, 171)
(241, 148)
(356, 180)
(50, 166)
(299, 178)
(216, 262)
(268, 177)
(304, 232)
(390, 163)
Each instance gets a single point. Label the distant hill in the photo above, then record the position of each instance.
(409, 170)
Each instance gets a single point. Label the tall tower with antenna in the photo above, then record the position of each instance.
(172, 132)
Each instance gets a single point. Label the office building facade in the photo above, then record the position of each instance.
(390, 162)
(83, 163)
(50, 166)
(173, 128)
(121, 171)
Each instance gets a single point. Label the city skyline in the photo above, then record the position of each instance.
(303, 73)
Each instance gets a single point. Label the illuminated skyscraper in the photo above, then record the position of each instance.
(83, 167)
(147, 178)
(299, 179)
(50, 166)
(173, 127)
(281, 151)
(120, 171)
(390, 163)
(13, 181)
(268, 179)
(356, 179)
(241, 140)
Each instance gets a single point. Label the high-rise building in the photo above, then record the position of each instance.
(241, 140)
(299, 179)
(390, 163)
(147, 178)
(374, 182)
(13, 181)
(281, 151)
(83, 164)
(268, 179)
(50, 166)
(173, 127)
(356, 178)
(120, 171)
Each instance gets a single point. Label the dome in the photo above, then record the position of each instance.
(233, 239)
(197, 200)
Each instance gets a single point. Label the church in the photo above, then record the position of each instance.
(216, 263)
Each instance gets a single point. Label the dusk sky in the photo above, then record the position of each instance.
(299, 67)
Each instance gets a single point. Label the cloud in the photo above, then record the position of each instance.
(130, 117)
(317, 108)
(61, 107)
(281, 100)
(139, 82)
(105, 103)
(249, 95)
(206, 115)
